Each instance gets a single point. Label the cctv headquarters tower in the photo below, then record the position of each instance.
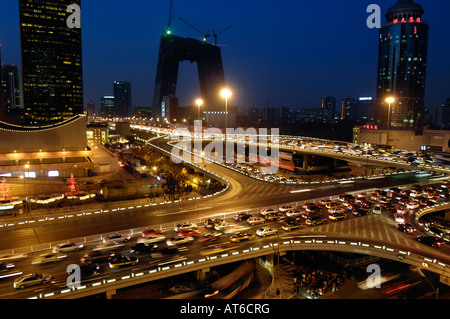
(175, 49)
(51, 61)
(402, 63)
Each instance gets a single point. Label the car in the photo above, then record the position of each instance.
(29, 280)
(377, 210)
(116, 238)
(67, 247)
(151, 232)
(315, 220)
(431, 241)
(164, 251)
(266, 231)
(325, 201)
(210, 237)
(291, 225)
(294, 213)
(338, 210)
(215, 249)
(267, 211)
(123, 261)
(272, 216)
(406, 228)
(222, 225)
(256, 220)
(236, 228)
(150, 239)
(97, 256)
(48, 258)
(88, 270)
(399, 218)
(210, 222)
(286, 208)
(142, 248)
(412, 205)
(109, 246)
(337, 216)
(437, 231)
(184, 226)
(360, 212)
(180, 289)
(241, 216)
(179, 240)
(238, 237)
(189, 233)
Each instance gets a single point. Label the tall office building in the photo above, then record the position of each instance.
(1, 90)
(122, 95)
(402, 63)
(329, 107)
(108, 106)
(51, 61)
(348, 108)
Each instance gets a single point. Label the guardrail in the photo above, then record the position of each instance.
(281, 245)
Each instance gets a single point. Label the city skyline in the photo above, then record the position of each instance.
(303, 83)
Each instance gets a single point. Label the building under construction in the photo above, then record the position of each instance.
(175, 49)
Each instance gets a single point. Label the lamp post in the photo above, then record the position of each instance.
(390, 100)
(199, 104)
(226, 94)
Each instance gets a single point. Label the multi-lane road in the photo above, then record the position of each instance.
(244, 194)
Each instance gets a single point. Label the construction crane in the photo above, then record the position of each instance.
(216, 35)
(171, 15)
(204, 34)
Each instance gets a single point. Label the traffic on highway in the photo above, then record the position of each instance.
(116, 254)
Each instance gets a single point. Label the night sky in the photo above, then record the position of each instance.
(287, 52)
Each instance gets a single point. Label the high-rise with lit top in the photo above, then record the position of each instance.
(402, 65)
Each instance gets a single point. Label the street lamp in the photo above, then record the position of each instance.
(390, 100)
(199, 104)
(226, 94)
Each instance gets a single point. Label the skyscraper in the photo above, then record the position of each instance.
(402, 63)
(329, 107)
(51, 61)
(108, 106)
(122, 98)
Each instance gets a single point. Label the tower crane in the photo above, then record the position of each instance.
(216, 35)
(204, 34)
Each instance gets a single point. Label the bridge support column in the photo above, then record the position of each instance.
(305, 162)
(201, 274)
(110, 293)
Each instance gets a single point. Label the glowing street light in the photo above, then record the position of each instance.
(226, 94)
(199, 103)
(390, 100)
